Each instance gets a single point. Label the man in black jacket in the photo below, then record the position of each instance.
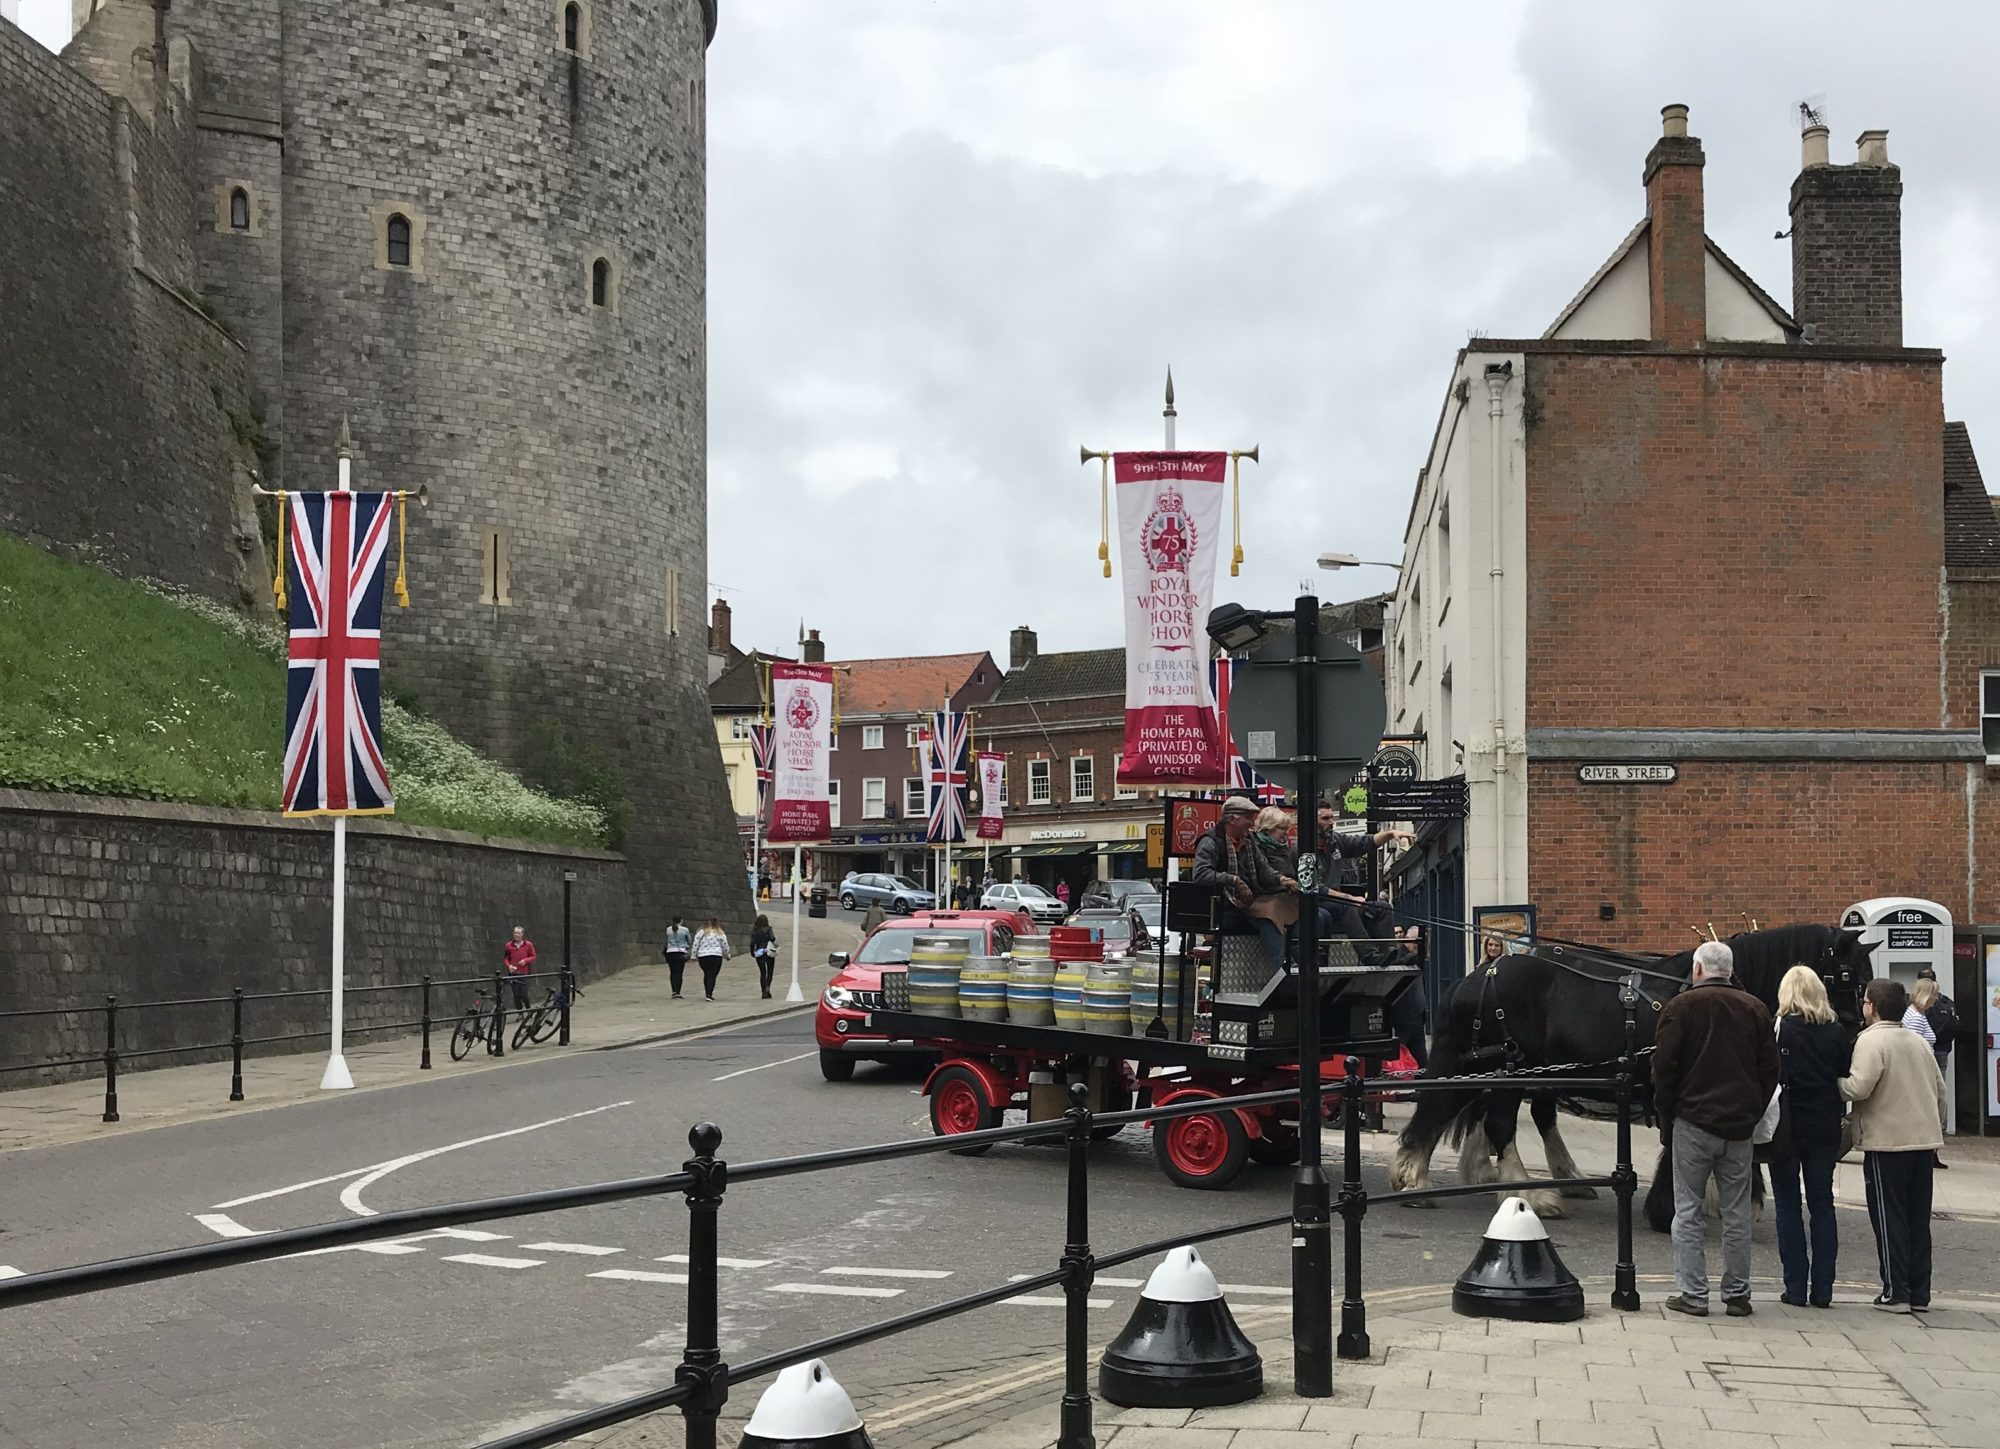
(1228, 857)
(1715, 1066)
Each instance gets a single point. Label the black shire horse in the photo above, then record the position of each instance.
(1561, 1005)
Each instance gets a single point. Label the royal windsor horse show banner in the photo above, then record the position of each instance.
(992, 785)
(802, 726)
(1170, 536)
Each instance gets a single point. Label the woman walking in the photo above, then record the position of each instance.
(1813, 1055)
(711, 949)
(764, 948)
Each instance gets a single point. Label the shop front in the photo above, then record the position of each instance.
(1072, 855)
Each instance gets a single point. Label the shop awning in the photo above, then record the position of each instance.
(1041, 852)
(1123, 847)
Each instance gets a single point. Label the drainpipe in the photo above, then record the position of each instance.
(1497, 377)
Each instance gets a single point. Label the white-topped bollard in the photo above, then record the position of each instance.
(1517, 1273)
(1181, 1349)
(806, 1408)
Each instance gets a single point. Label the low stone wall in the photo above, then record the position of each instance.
(152, 903)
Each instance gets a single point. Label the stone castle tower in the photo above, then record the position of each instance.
(477, 231)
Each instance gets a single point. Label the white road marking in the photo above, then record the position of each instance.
(888, 1272)
(350, 1197)
(640, 1275)
(225, 1225)
(7, 1272)
(726, 1076)
(722, 1262)
(1250, 1288)
(471, 1235)
(1095, 1282)
(836, 1290)
(295, 1187)
(1031, 1301)
(487, 1260)
(588, 1250)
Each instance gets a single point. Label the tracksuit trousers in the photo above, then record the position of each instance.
(1899, 1209)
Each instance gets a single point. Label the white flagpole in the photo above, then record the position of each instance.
(798, 886)
(336, 1077)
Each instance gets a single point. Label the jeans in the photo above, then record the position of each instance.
(1698, 1156)
(676, 967)
(1273, 937)
(711, 967)
(1808, 1270)
(520, 986)
(766, 965)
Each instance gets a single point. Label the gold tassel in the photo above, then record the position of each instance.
(402, 525)
(1236, 514)
(284, 553)
(1104, 511)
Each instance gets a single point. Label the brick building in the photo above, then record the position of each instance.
(1686, 528)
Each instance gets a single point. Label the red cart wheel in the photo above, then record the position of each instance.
(1204, 1151)
(959, 1105)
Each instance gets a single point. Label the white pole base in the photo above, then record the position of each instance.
(795, 995)
(336, 1078)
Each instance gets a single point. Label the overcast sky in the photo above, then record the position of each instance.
(949, 241)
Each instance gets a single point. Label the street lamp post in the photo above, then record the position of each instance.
(1312, 1215)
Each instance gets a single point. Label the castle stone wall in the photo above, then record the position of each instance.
(123, 402)
(155, 903)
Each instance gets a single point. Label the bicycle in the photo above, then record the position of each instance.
(539, 1023)
(474, 1027)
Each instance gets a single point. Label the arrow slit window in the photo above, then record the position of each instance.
(493, 559)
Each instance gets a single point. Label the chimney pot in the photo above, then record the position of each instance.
(1872, 148)
(718, 627)
(1674, 120)
(1022, 645)
(1677, 247)
(1812, 145)
(813, 651)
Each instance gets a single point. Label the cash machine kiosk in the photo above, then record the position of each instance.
(1910, 935)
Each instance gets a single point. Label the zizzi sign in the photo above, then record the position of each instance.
(1633, 774)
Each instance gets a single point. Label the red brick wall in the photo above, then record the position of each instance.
(1780, 841)
(1093, 726)
(1973, 644)
(1728, 540)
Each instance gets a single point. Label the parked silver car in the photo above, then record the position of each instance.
(896, 894)
(1031, 900)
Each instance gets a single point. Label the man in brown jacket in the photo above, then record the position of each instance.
(1715, 1065)
(1898, 1100)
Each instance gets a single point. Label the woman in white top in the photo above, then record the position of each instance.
(711, 949)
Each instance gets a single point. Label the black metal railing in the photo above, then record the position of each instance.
(704, 1378)
(114, 1016)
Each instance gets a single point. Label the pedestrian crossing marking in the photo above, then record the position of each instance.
(225, 1225)
(1250, 1288)
(640, 1275)
(1032, 1301)
(588, 1250)
(7, 1272)
(471, 1235)
(888, 1272)
(1095, 1282)
(722, 1262)
(487, 1260)
(837, 1290)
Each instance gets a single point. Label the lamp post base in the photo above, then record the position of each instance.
(336, 1078)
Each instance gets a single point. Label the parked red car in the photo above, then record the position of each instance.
(856, 988)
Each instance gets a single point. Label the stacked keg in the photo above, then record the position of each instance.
(1031, 980)
(935, 966)
(982, 988)
(1074, 948)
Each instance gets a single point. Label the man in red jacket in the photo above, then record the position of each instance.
(518, 956)
(1715, 1065)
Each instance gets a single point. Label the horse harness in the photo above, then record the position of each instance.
(1631, 990)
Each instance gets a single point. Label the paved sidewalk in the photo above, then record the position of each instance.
(623, 1009)
(1845, 1378)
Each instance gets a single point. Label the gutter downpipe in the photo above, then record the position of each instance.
(1497, 377)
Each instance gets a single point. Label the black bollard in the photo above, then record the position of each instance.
(424, 1064)
(568, 995)
(701, 1361)
(1624, 1178)
(497, 1046)
(236, 1044)
(1079, 1268)
(1353, 1340)
(111, 1059)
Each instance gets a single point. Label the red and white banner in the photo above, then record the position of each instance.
(1170, 536)
(992, 784)
(802, 725)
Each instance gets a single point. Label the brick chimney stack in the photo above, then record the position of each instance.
(1677, 247)
(813, 650)
(1022, 645)
(1847, 243)
(718, 627)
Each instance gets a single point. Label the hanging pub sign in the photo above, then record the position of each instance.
(802, 716)
(1170, 536)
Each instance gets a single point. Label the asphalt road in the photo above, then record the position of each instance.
(454, 1339)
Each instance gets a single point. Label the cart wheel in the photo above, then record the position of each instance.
(958, 1104)
(835, 1067)
(1205, 1151)
(1278, 1147)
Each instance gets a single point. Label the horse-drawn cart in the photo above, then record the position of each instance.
(1245, 1043)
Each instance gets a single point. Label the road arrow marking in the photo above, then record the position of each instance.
(350, 1197)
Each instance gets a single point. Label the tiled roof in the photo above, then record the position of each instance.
(1971, 530)
(738, 689)
(905, 686)
(1081, 673)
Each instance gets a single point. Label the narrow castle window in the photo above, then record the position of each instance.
(600, 283)
(239, 209)
(673, 602)
(399, 240)
(572, 26)
(493, 550)
(694, 104)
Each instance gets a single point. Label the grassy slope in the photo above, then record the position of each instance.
(108, 688)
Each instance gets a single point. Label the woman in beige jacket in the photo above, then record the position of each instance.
(1898, 1100)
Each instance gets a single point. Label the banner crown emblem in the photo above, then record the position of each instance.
(801, 712)
(1169, 537)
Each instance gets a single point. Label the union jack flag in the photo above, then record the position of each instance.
(944, 796)
(335, 546)
(760, 750)
(1242, 779)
